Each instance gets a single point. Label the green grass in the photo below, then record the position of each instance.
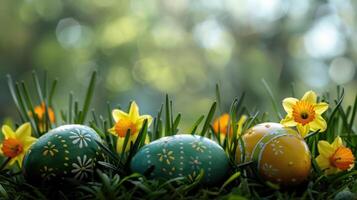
(115, 181)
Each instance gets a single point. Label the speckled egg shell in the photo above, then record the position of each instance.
(68, 151)
(182, 155)
(279, 153)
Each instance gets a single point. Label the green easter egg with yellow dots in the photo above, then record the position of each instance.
(182, 156)
(69, 151)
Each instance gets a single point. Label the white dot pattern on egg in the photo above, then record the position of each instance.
(69, 151)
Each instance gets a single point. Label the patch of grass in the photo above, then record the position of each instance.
(115, 181)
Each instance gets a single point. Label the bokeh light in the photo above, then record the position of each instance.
(144, 49)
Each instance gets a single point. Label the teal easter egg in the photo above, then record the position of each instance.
(182, 155)
(69, 151)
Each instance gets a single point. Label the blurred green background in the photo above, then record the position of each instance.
(143, 49)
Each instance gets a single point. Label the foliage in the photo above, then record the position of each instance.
(115, 181)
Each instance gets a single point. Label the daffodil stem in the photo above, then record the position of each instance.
(5, 163)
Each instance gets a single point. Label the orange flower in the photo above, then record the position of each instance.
(342, 159)
(334, 157)
(40, 112)
(220, 125)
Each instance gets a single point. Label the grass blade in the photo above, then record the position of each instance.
(196, 124)
(52, 91)
(218, 98)
(38, 86)
(209, 119)
(15, 98)
(167, 117)
(176, 123)
(272, 98)
(88, 98)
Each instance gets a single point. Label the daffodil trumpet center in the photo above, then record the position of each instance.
(12, 147)
(342, 159)
(122, 127)
(303, 112)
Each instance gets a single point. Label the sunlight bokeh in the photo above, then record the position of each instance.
(144, 49)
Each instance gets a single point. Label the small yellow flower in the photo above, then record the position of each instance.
(220, 125)
(128, 121)
(16, 143)
(334, 157)
(305, 114)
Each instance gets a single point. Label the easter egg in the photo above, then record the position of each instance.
(182, 155)
(69, 151)
(280, 154)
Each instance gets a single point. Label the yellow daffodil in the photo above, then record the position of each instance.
(40, 112)
(220, 125)
(334, 157)
(305, 114)
(16, 143)
(128, 121)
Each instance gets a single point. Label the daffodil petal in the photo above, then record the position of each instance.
(325, 149)
(323, 162)
(288, 104)
(120, 143)
(24, 130)
(288, 121)
(8, 132)
(148, 117)
(332, 170)
(303, 130)
(20, 158)
(222, 137)
(118, 114)
(134, 111)
(321, 107)
(147, 139)
(337, 142)
(240, 123)
(352, 166)
(27, 142)
(310, 96)
(12, 161)
(112, 131)
(318, 123)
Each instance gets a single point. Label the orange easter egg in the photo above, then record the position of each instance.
(280, 154)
